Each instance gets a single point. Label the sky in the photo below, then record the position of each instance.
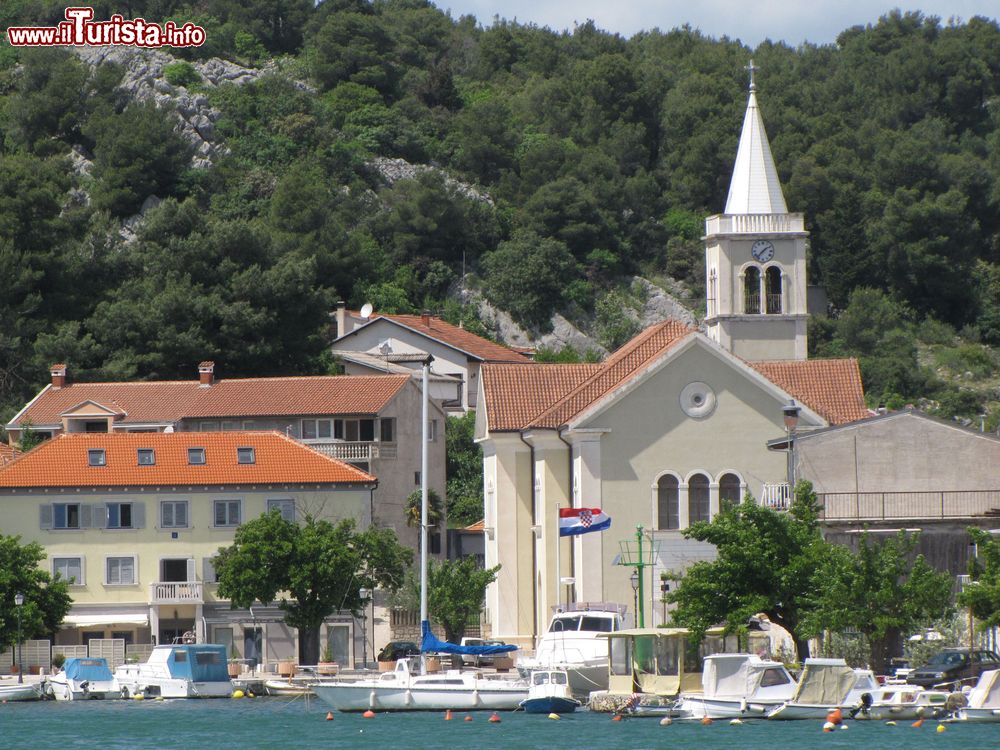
(750, 21)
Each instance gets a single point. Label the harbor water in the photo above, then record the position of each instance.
(249, 724)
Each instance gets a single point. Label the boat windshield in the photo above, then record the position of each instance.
(589, 623)
(567, 622)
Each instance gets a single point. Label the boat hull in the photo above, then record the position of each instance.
(365, 695)
(797, 711)
(981, 715)
(550, 705)
(695, 707)
(73, 691)
(20, 692)
(170, 688)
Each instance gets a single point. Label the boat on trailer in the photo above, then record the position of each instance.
(179, 670)
(83, 679)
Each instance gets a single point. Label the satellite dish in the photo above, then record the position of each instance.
(366, 310)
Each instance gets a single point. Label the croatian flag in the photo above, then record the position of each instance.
(573, 521)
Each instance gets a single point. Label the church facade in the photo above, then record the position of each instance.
(665, 430)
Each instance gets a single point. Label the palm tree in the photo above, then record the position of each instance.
(435, 509)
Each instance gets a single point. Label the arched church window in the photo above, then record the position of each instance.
(698, 507)
(751, 291)
(668, 503)
(772, 285)
(729, 490)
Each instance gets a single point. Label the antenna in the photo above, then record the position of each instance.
(366, 310)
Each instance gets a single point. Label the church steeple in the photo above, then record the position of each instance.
(754, 188)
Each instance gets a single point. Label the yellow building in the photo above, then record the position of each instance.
(134, 520)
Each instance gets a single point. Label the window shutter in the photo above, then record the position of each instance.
(138, 515)
(190, 570)
(99, 519)
(87, 516)
(45, 516)
(208, 570)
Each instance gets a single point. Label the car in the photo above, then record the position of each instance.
(954, 665)
(398, 649)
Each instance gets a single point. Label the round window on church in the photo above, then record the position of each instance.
(697, 400)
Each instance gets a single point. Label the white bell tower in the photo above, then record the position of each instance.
(755, 257)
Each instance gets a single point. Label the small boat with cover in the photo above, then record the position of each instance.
(83, 679)
(737, 686)
(827, 684)
(180, 670)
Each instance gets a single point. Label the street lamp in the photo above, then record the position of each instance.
(791, 415)
(19, 601)
(364, 594)
(664, 590)
(634, 579)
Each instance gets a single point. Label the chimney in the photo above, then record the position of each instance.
(206, 374)
(342, 319)
(425, 318)
(58, 375)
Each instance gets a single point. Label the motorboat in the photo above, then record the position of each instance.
(983, 700)
(573, 644)
(827, 684)
(180, 670)
(549, 693)
(737, 686)
(406, 689)
(293, 686)
(899, 700)
(83, 679)
(20, 691)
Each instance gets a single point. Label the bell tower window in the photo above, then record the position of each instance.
(751, 291)
(772, 285)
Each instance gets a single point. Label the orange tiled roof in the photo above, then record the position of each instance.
(479, 525)
(622, 365)
(468, 342)
(170, 401)
(517, 394)
(63, 462)
(830, 387)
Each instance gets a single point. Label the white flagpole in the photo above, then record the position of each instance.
(558, 579)
(424, 436)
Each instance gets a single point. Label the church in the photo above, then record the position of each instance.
(665, 430)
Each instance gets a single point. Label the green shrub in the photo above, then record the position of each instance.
(181, 74)
(966, 358)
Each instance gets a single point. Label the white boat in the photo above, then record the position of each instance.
(405, 689)
(291, 686)
(83, 679)
(181, 670)
(899, 700)
(827, 684)
(984, 699)
(19, 691)
(571, 644)
(737, 686)
(549, 693)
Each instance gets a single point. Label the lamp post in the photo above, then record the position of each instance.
(791, 416)
(19, 602)
(664, 590)
(634, 579)
(364, 594)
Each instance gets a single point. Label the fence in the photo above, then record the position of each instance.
(898, 506)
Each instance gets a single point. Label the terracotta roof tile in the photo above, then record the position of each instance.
(616, 369)
(517, 394)
(64, 462)
(171, 401)
(479, 525)
(831, 387)
(438, 329)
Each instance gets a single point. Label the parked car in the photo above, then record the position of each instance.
(954, 665)
(397, 649)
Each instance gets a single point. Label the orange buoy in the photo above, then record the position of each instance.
(616, 717)
(495, 718)
(447, 715)
(706, 720)
(468, 717)
(369, 714)
(329, 715)
(918, 723)
(835, 716)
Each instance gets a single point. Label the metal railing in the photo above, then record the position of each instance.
(774, 304)
(184, 592)
(891, 506)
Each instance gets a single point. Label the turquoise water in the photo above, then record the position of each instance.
(283, 723)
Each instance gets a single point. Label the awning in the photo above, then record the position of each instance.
(83, 621)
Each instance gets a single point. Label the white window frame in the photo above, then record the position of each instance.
(228, 524)
(432, 430)
(133, 561)
(246, 452)
(97, 457)
(131, 515)
(197, 452)
(173, 504)
(281, 504)
(82, 580)
(150, 453)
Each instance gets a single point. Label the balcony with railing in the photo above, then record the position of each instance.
(356, 451)
(754, 223)
(181, 592)
(891, 506)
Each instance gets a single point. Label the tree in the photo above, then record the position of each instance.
(464, 471)
(311, 569)
(46, 599)
(767, 561)
(435, 508)
(456, 590)
(883, 591)
(982, 598)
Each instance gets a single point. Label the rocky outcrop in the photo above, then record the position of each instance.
(393, 170)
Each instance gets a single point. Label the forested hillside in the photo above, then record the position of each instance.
(564, 165)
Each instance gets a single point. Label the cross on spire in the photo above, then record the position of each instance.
(751, 67)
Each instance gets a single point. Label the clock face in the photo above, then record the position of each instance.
(762, 251)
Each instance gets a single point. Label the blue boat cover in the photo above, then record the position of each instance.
(94, 669)
(201, 662)
(428, 644)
